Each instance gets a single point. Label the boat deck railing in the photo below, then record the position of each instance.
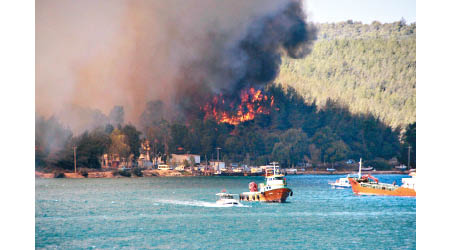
(381, 186)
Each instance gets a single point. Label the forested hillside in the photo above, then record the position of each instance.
(291, 133)
(371, 68)
(351, 97)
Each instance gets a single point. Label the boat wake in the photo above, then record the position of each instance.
(197, 203)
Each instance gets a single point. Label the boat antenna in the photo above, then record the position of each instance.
(359, 172)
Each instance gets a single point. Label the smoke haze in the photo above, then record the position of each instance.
(95, 55)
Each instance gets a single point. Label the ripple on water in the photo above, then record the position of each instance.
(181, 213)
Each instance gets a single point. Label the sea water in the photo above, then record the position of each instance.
(181, 213)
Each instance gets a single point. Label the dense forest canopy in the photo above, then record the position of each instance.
(353, 96)
(371, 68)
(294, 132)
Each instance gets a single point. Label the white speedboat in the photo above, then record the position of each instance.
(341, 183)
(225, 199)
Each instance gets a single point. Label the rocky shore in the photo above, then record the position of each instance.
(175, 173)
(324, 172)
(112, 174)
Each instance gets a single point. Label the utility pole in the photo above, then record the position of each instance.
(207, 166)
(360, 165)
(75, 157)
(409, 155)
(218, 153)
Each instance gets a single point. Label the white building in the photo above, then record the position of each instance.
(179, 159)
(291, 171)
(256, 170)
(217, 165)
(144, 161)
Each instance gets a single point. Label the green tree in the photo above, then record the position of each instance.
(132, 139)
(90, 147)
(292, 148)
(179, 138)
(371, 68)
(119, 144)
(50, 137)
(409, 140)
(337, 151)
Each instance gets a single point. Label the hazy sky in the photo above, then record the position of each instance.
(361, 10)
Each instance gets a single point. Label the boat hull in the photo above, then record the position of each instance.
(398, 191)
(340, 185)
(274, 195)
(229, 204)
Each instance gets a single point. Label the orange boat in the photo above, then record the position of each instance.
(369, 185)
(273, 190)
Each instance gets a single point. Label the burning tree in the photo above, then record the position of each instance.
(252, 103)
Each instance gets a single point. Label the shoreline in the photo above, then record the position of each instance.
(174, 173)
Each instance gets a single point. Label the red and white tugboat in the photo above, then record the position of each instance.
(274, 189)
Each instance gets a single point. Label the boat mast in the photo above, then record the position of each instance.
(274, 167)
(359, 172)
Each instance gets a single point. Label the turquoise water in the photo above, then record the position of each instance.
(180, 213)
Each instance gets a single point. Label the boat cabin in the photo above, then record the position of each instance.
(227, 199)
(276, 178)
(225, 196)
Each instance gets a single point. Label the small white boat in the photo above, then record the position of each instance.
(225, 199)
(341, 183)
(401, 167)
(367, 169)
(344, 182)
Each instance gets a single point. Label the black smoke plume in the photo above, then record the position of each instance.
(251, 60)
(99, 54)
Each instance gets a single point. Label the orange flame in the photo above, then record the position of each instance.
(253, 102)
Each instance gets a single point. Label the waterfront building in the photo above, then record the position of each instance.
(291, 171)
(217, 165)
(178, 159)
(256, 170)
